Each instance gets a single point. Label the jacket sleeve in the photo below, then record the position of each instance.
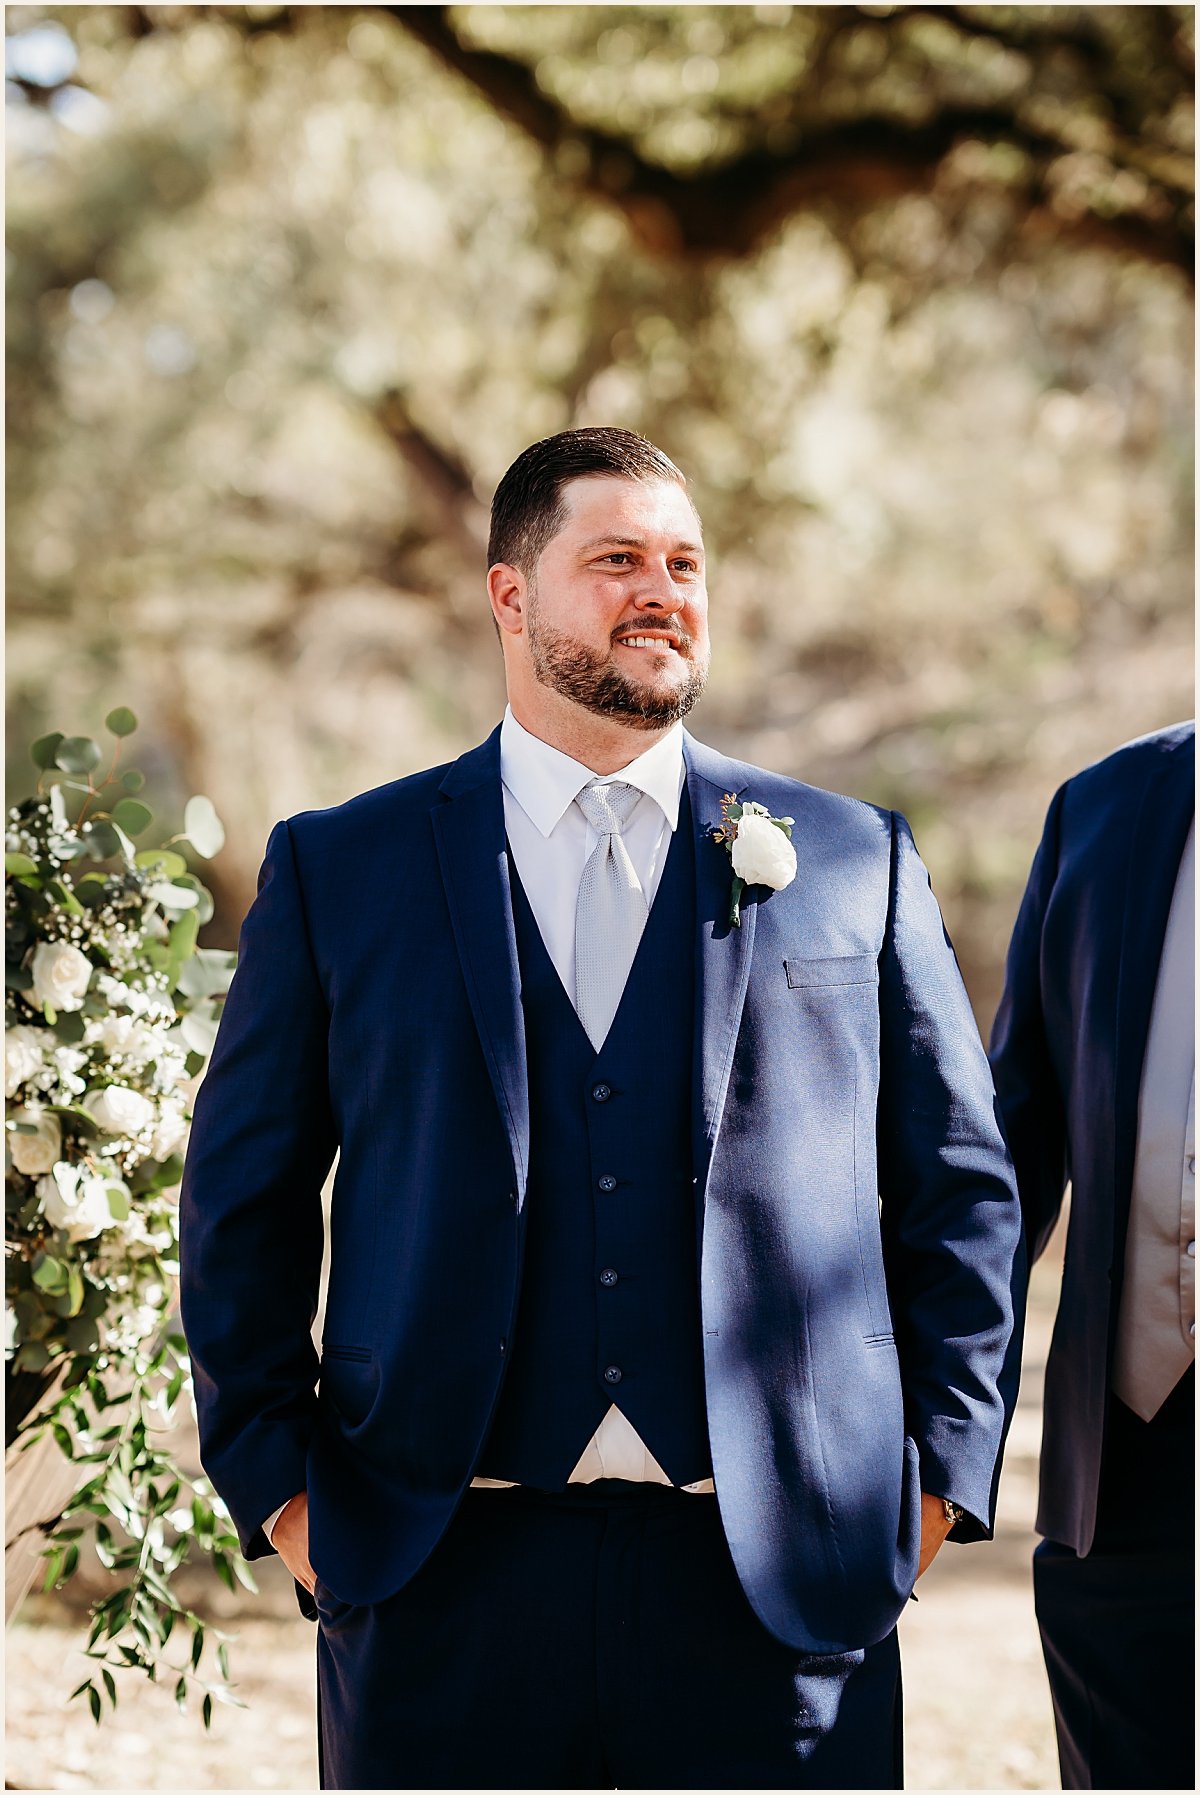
(1026, 1083)
(251, 1229)
(949, 1212)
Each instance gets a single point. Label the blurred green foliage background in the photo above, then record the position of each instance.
(905, 290)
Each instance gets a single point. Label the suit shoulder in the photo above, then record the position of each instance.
(381, 805)
(1131, 761)
(785, 796)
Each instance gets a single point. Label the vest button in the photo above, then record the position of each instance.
(601, 1092)
(612, 1374)
(608, 1182)
(608, 1277)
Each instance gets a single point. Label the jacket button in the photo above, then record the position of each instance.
(608, 1277)
(608, 1182)
(612, 1374)
(601, 1092)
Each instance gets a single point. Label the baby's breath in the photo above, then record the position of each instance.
(99, 1082)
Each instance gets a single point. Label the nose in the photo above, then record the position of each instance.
(659, 595)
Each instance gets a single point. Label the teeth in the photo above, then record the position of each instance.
(647, 642)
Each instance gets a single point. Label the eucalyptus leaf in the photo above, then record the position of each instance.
(77, 754)
(171, 864)
(183, 937)
(207, 973)
(83, 1336)
(49, 1274)
(199, 1031)
(203, 826)
(45, 750)
(19, 863)
(121, 721)
(64, 897)
(69, 1027)
(132, 779)
(132, 815)
(173, 897)
(103, 838)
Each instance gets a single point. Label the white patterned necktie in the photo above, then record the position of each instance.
(610, 912)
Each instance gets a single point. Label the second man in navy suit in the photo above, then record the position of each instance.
(670, 1315)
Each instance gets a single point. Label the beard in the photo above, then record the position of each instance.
(588, 677)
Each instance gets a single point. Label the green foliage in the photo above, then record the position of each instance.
(147, 1519)
(99, 1064)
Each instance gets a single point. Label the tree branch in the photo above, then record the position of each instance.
(731, 209)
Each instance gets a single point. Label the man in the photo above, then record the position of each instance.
(1094, 1057)
(648, 1384)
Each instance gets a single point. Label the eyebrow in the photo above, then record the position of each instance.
(695, 548)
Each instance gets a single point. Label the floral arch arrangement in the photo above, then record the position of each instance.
(111, 1010)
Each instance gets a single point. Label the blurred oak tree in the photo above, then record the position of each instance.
(906, 290)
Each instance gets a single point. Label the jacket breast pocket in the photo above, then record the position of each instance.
(840, 969)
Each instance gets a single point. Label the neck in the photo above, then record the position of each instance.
(602, 744)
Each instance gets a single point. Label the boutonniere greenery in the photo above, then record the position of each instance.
(760, 849)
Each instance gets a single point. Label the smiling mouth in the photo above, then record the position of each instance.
(650, 641)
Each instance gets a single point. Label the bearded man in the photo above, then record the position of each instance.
(669, 1326)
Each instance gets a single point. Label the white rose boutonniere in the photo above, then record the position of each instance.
(760, 849)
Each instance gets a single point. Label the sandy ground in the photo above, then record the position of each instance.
(976, 1704)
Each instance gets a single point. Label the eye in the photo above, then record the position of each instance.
(618, 554)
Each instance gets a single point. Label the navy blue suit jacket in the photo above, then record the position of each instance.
(1067, 1051)
(857, 1220)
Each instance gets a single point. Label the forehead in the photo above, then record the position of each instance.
(599, 504)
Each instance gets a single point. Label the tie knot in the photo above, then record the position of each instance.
(608, 806)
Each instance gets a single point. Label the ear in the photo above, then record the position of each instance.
(509, 593)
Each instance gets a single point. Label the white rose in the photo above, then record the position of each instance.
(35, 1153)
(77, 1201)
(762, 854)
(170, 1133)
(61, 975)
(118, 1032)
(118, 1110)
(22, 1057)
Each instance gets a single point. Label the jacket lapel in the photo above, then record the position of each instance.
(722, 955)
(468, 829)
(1156, 847)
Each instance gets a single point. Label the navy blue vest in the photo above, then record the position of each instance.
(609, 1310)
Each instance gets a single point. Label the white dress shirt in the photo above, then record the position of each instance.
(1156, 1326)
(551, 840)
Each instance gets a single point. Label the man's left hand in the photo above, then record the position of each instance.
(934, 1528)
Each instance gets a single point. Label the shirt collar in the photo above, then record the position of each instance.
(544, 781)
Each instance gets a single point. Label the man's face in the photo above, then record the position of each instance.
(617, 613)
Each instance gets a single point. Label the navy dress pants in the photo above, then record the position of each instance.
(1118, 1627)
(592, 1639)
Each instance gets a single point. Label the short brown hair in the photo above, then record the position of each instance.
(527, 510)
